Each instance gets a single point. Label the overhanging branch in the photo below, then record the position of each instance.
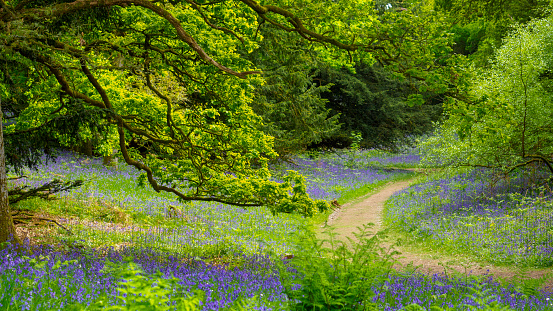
(65, 8)
(296, 22)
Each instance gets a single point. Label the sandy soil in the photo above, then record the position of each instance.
(369, 210)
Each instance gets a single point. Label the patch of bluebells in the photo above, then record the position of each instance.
(396, 160)
(502, 220)
(41, 282)
(244, 230)
(401, 290)
(81, 278)
(409, 157)
(328, 178)
(374, 158)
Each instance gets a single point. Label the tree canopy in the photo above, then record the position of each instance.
(479, 26)
(505, 120)
(180, 78)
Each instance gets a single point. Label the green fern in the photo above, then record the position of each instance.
(141, 292)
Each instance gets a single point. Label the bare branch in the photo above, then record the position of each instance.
(20, 217)
(44, 191)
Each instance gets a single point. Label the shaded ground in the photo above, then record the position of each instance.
(369, 210)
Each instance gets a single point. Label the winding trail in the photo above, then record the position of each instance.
(369, 210)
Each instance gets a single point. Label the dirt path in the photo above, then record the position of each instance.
(346, 220)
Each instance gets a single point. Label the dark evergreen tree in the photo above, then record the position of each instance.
(373, 102)
(289, 101)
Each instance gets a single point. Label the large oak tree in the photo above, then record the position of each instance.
(170, 75)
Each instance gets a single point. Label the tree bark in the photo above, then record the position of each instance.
(88, 149)
(7, 228)
(107, 160)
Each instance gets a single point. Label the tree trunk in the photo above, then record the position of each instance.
(87, 148)
(107, 160)
(7, 229)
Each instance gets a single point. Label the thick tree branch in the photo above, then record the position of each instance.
(65, 86)
(60, 77)
(263, 10)
(157, 187)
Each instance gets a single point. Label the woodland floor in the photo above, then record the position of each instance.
(368, 209)
(345, 222)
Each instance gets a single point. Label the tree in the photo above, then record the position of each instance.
(169, 74)
(289, 100)
(375, 104)
(25, 146)
(506, 120)
(6, 221)
(479, 26)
